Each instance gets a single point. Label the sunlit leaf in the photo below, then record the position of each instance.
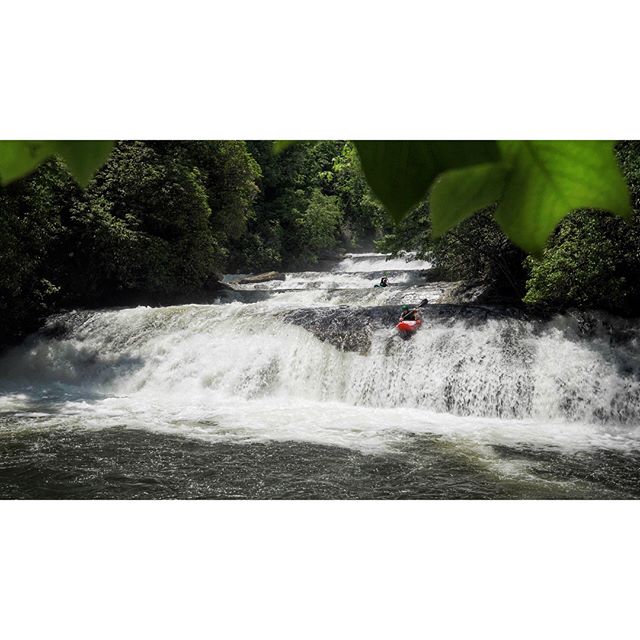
(20, 157)
(400, 172)
(548, 179)
(459, 193)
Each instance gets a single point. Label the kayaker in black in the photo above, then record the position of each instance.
(383, 282)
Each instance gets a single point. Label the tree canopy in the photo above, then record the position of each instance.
(536, 183)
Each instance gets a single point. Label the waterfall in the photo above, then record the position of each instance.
(243, 369)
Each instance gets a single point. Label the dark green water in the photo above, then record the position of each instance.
(130, 463)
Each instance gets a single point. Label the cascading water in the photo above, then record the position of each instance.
(368, 262)
(306, 376)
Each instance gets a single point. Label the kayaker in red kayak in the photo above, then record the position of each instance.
(410, 319)
(407, 313)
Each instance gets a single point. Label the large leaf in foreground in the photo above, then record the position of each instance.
(400, 172)
(20, 157)
(548, 179)
(82, 157)
(459, 193)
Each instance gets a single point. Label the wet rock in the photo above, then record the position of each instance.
(347, 328)
(262, 277)
(351, 328)
(483, 293)
(434, 274)
(215, 284)
(464, 293)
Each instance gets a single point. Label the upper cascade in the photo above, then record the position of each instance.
(363, 262)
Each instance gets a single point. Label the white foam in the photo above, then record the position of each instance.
(239, 371)
(363, 262)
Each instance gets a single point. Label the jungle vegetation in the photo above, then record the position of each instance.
(160, 221)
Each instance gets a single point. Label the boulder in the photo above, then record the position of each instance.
(214, 283)
(262, 277)
(463, 293)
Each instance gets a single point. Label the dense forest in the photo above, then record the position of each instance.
(161, 221)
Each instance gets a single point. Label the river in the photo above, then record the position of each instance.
(301, 388)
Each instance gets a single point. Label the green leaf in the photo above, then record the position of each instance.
(83, 157)
(280, 145)
(548, 179)
(400, 172)
(459, 193)
(20, 157)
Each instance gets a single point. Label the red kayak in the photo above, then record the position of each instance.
(407, 327)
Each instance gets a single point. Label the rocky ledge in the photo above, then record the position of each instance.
(351, 328)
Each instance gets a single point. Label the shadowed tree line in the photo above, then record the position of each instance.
(161, 221)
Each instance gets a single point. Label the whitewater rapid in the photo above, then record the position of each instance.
(239, 371)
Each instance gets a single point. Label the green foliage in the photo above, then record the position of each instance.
(412, 234)
(548, 179)
(401, 172)
(175, 203)
(153, 225)
(320, 222)
(144, 203)
(32, 213)
(537, 182)
(83, 157)
(162, 219)
(286, 229)
(20, 157)
(593, 260)
(477, 250)
(228, 172)
(459, 193)
(363, 214)
(280, 145)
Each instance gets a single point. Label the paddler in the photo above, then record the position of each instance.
(383, 283)
(408, 313)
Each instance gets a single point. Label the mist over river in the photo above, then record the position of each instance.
(301, 388)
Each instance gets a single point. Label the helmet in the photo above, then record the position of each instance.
(405, 307)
